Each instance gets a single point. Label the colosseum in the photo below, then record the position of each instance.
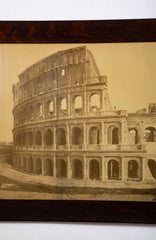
(66, 130)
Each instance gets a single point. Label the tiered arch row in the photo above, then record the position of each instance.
(93, 168)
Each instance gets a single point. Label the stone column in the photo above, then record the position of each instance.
(68, 137)
(104, 170)
(123, 133)
(54, 137)
(123, 170)
(42, 167)
(69, 105)
(84, 136)
(85, 102)
(142, 168)
(42, 131)
(84, 167)
(103, 137)
(55, 106)
(68, 168)
(54, 166)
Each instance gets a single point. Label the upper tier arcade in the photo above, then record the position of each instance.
(68, 68)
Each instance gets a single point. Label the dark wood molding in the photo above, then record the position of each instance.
(143, 30)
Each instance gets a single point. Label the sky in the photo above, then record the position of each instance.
(129, 67)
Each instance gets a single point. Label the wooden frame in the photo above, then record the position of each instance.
(78, 32)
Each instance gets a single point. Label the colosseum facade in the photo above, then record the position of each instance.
(66, 129)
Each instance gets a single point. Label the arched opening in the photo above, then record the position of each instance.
(152, 167)
(60, 136)
(23, 139)
(63, 104)
(76, 136)
(48, 167)
(150, 134)
(29, 165)
(113, 135)
(77, 169)
(95, 102)
(61, 168)
(48, 137)
(51, 107)
(30, 139)
(78, 104)
(94, 169)
(31, 112)
(133, 169)
(39, 110)
(134, 134)
(94, 135)
(24, 164)
(38, 138)
(38, 166)
(113, 169)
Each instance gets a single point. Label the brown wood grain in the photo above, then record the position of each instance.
(78, 32)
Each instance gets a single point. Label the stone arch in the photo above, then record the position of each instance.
(61, 168)
(94, 137)
(78, 103)
(23, 139)
(134, 134)
(51, 107)
(152, 166)
(24, 164)
(48, 137)
(94, 169)
(48, 167)
(38, 166)
(60, 136)
(39, 109)
(38, 138)
(31, 112)
(113, 135)
(133, 169)
(30, 138)
(95, 102)
(29, 165)
(150, 134)
(77, 169)
(113, 169)
(76, 136)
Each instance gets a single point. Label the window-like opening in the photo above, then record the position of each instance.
(64, 104)
(76, 136)
(24, 164)
(48, 137)
(30, 112)
(133, 169)
(38, 138)
(113, 135)
(63, 72)
(23, 138)
(39, 110)
(150, 134)
(48, 167)
(94, 102)
(78, 103)
(38, 166)
(134, 134)
(77, 169)
(152, 167)
(61, 168)
(29, 165)
(60, 136)
(30, 139)
(94, 135)
(51, 107)
(113, 169)
(94, 169)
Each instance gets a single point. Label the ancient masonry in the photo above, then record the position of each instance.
(66, 129)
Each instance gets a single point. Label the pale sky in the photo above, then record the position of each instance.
(130, 69)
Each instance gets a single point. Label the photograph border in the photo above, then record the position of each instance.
(100, 31)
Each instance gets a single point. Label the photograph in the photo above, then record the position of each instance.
(78, 121)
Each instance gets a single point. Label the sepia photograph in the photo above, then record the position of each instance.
(78, 121)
